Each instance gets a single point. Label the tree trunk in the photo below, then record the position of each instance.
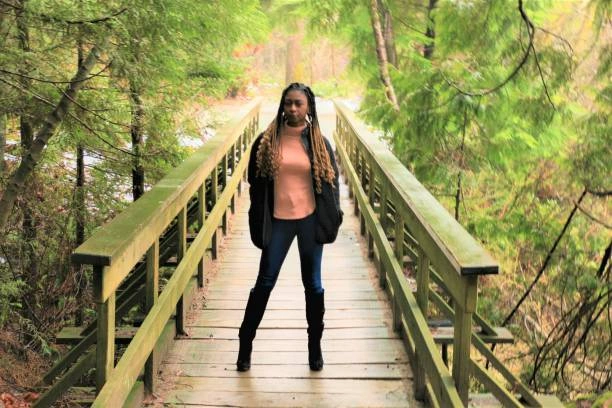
(2, 143)
(461, 161)
(28, 231)
(80, 207)
(389, 35)
(136, 131)
(381, 54)
(19, 177)
(430, 33)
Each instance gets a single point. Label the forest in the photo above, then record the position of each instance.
(500, 108)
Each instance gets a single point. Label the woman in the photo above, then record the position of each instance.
(294, 191)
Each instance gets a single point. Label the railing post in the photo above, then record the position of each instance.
(224, 182)
(152, 290)
(382, 217)
(463, 337)
(105, 345)
(399, 238)
(246, 140)
(358, 171)
(422, 299)
(214, 178)
(238, 155)
(201, 216)
(399, 254)
(234, 159)
(371, 193)
(182, 248)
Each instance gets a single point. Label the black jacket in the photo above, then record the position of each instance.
(261, 191)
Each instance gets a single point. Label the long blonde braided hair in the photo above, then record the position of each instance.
(268, 154)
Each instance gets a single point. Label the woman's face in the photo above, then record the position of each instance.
(295, 107)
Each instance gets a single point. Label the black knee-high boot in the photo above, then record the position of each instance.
(255, 308)
(315, 309)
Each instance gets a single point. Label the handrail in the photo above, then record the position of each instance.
(378, 181)
(117, 247)
(121, 243)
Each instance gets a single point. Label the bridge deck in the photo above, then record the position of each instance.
(365, 361)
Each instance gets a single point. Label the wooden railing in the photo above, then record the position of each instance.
(405, 225)
(214, 174)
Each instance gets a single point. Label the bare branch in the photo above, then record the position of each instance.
(592, 217)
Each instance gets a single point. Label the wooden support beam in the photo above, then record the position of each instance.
(201, 218)
(225, 166)
(461, 348)
(214, 194)
(105, 344)
(420, 377)
(152, 293)
(182, 249)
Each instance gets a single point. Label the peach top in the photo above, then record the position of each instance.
(293, 192)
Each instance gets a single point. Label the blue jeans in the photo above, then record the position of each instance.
(272, 256)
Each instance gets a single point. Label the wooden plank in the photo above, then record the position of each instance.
(105, 337)
(180, 314)
(397, 398)
(294, 324)
(151, 296)
(422, 300)
(293, 385)
(302, 371)
(49, 397)
(512, 380)
(444, 335)
(296, 304)
(334, 314)
(491, 384)
(352, 333)
(232, 275)
(246, 285)
(462, 341)
(332, 293)
(287, 357)
(289, 345)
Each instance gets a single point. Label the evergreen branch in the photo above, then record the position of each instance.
(52, 121)
(96, 114)
(48, 18)
(404, 23)
(537, 61)
(515, 71)
(94, 132)
(557, 36)
(47, 81)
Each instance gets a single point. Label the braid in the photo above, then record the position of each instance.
(268, 154)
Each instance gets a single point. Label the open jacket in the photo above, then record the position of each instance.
(261, 191)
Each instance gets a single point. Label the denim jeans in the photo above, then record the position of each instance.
(273, 255)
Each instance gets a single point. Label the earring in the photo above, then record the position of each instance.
(309, 118)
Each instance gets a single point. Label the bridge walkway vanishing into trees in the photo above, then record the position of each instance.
(401, 290)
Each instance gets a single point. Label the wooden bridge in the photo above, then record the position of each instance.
(401, 290)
